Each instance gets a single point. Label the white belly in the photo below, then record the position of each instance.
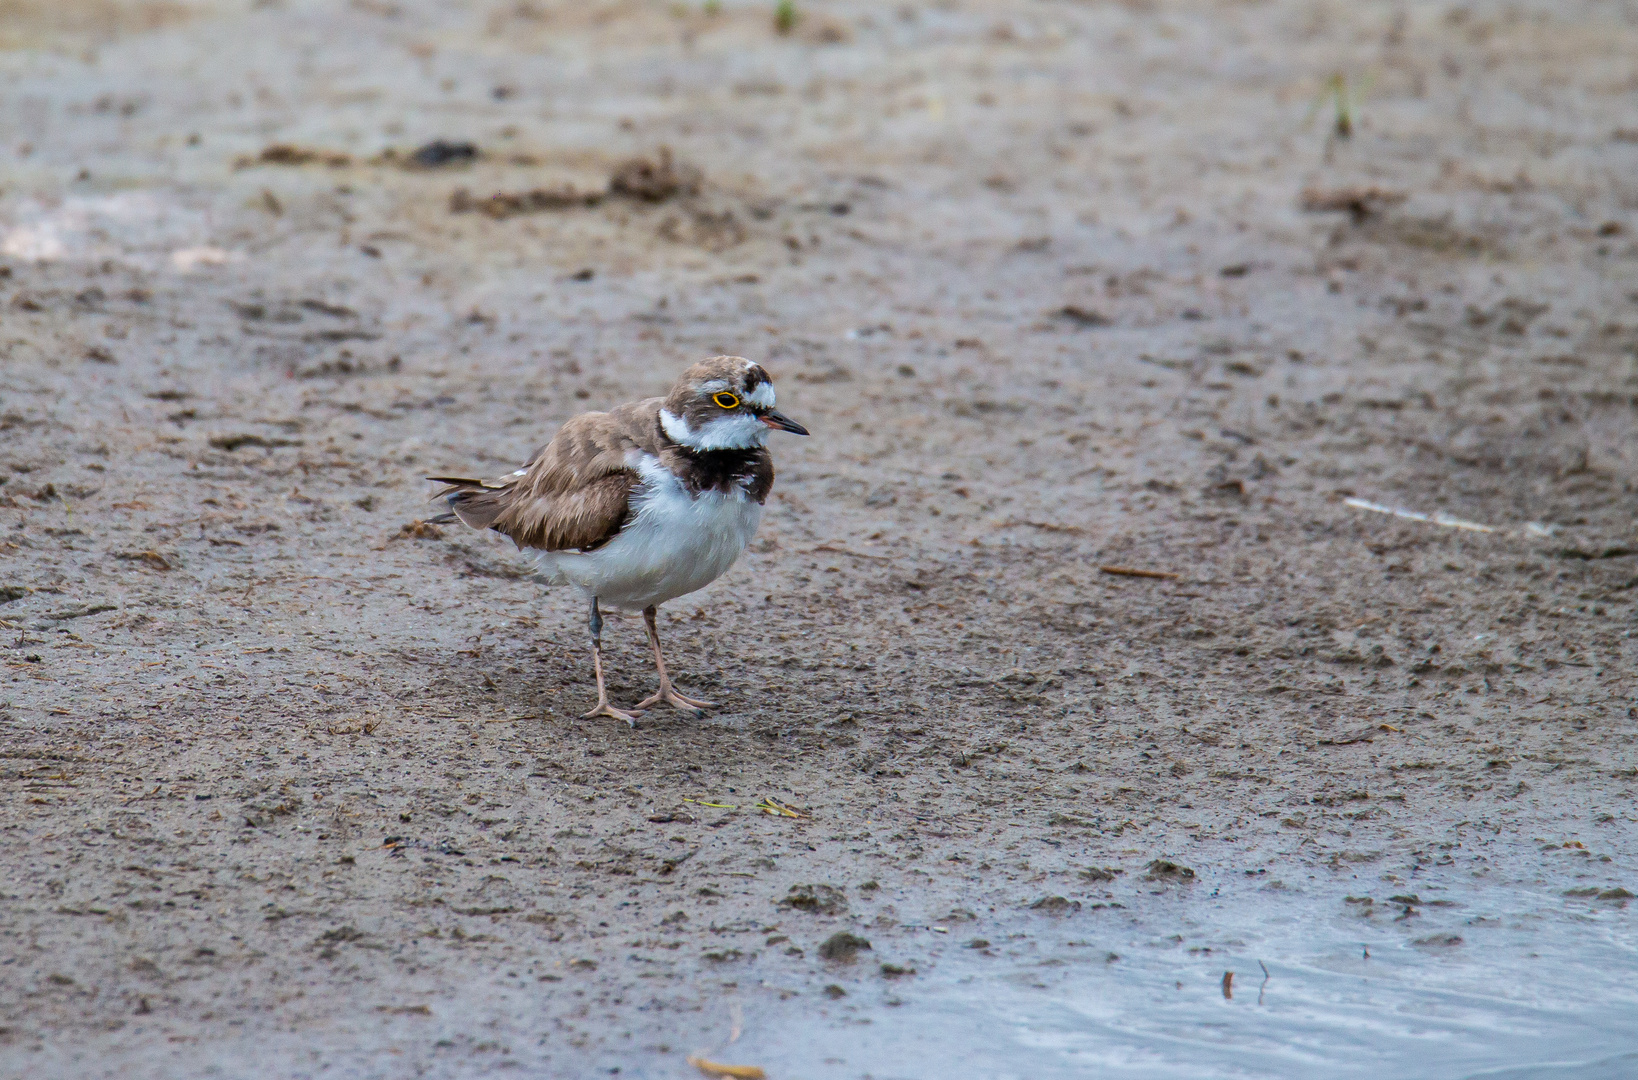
(676, 544)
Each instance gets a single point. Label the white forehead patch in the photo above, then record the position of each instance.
(763, 396)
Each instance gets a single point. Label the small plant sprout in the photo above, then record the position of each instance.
(1345, 102)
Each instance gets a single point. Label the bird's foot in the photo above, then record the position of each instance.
(605, 709)
(667, 696)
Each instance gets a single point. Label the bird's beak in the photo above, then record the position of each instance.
(779, 421)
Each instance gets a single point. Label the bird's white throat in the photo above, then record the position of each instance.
(741, 431)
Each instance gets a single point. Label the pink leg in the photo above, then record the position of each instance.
(667, 695)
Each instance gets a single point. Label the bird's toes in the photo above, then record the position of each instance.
(630, 717)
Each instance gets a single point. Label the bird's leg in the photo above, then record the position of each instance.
(603, 707)
(666, 695)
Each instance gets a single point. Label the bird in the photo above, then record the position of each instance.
(639, 505)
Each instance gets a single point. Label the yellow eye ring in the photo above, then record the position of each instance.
(725, 400)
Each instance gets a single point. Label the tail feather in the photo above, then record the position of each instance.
(464, 481)
(476, 503)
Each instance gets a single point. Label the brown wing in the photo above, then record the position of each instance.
(587, 517)
(576, 493)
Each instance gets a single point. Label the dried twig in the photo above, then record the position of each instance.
(1131, 571)
(1531, 529)
(839, 550)
(734, 1072)
(1044, 526)
(1411, 515)
(771, 805)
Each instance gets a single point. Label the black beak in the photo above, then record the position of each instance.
(779, 421)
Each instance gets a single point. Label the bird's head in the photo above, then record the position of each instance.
(724, 403)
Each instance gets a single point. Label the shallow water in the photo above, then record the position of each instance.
(1536, 987)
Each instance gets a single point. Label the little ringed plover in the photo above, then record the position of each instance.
(642, 504)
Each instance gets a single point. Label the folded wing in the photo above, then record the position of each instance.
(576, 493)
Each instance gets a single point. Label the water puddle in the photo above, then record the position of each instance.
(1474, 982)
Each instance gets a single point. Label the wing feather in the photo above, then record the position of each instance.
(575, 493)
(587, 517)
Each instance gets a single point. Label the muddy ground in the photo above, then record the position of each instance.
(296, 785)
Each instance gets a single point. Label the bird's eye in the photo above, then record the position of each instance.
(726, 400)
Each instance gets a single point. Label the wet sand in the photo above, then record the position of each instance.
(297, 783)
